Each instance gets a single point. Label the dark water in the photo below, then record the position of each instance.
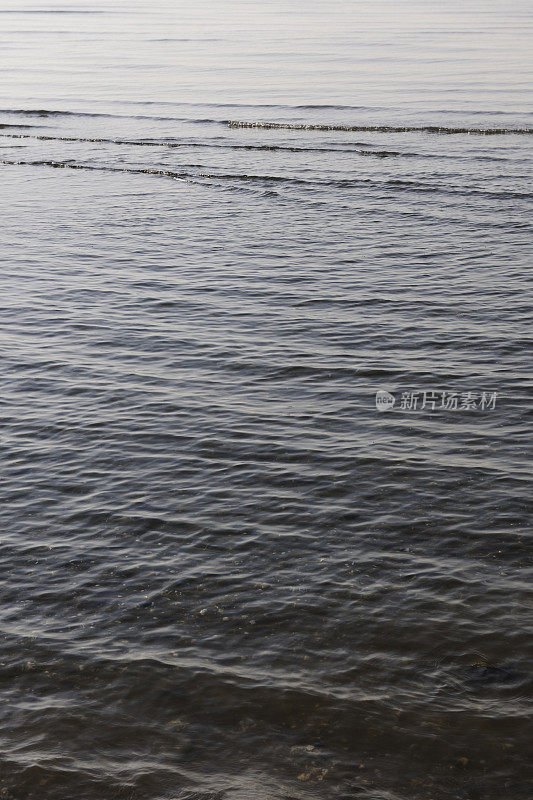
(225, 574)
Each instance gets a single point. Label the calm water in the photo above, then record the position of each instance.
(225, 574)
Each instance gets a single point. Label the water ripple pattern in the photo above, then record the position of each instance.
(226, 574)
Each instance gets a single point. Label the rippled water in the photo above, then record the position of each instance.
(226, 574)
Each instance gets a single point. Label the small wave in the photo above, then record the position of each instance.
(229, 146)
(100, 168)
(347, 183)
(46, 112)
(327, 107)
(377, 128)
(306, 106)
(50, 11)
(354, 149)
(13, 125)
(189, 176)
(435, 129)
(165, 173)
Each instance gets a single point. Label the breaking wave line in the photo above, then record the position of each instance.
(348, 183)
(377, 128)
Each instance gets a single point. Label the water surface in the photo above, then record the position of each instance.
(226, 575)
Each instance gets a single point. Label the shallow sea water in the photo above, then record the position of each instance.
(225, 574)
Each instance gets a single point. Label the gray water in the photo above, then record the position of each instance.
(226, 575)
